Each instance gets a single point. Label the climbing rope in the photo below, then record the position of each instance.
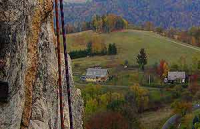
(66, 63)
(59, 65)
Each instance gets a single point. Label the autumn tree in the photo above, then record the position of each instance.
(140, 96)
(142, 59)
(98, 45)
(194, 32)
(120, 23)
(193, 86)
(129, 111)
(108, 23)
(149, 26)
(181, 107)
(97, 23)
(91, 106)
(163, 69)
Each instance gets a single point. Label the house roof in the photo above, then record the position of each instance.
(176, 75)
(96, 72)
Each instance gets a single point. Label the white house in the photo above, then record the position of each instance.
(96, 75)
(176, 76)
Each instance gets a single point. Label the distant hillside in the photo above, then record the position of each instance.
(166, 13)
(129, 42)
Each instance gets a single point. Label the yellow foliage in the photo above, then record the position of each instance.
(141, 96)
(97, 44)
(193, 41)
(166, 70)
(181, 107)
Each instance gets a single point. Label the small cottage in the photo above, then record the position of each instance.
(178, 77)
(96, 75)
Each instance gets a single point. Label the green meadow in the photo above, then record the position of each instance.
(129, 43)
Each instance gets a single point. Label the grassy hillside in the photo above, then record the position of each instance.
(129, 42)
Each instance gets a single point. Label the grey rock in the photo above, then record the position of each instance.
(21, 26)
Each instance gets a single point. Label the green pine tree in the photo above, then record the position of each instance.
(142, 59)
(89, 48)
(114, 49)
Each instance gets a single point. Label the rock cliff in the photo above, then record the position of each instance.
(28, 49)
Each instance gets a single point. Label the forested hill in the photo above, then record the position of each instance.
(166, 13)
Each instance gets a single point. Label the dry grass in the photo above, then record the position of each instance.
(155, 119)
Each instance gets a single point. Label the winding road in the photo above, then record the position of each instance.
(173, 120)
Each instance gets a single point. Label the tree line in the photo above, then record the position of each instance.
(191, 36)
(100, 24)
(93, 50)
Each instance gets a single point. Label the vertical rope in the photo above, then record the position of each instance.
(66, 64)
(59, 65)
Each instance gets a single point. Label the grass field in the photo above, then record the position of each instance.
(129, 43)
(155, 119)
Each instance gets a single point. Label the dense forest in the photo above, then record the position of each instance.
(165, 13)
(100, 24)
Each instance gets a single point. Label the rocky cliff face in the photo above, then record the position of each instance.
(28, 49)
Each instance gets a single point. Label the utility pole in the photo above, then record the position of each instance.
(149, 79)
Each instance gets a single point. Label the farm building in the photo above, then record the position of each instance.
(178, 77)
(96, 75)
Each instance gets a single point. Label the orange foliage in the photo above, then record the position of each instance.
(98, 44)
(163, 69)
